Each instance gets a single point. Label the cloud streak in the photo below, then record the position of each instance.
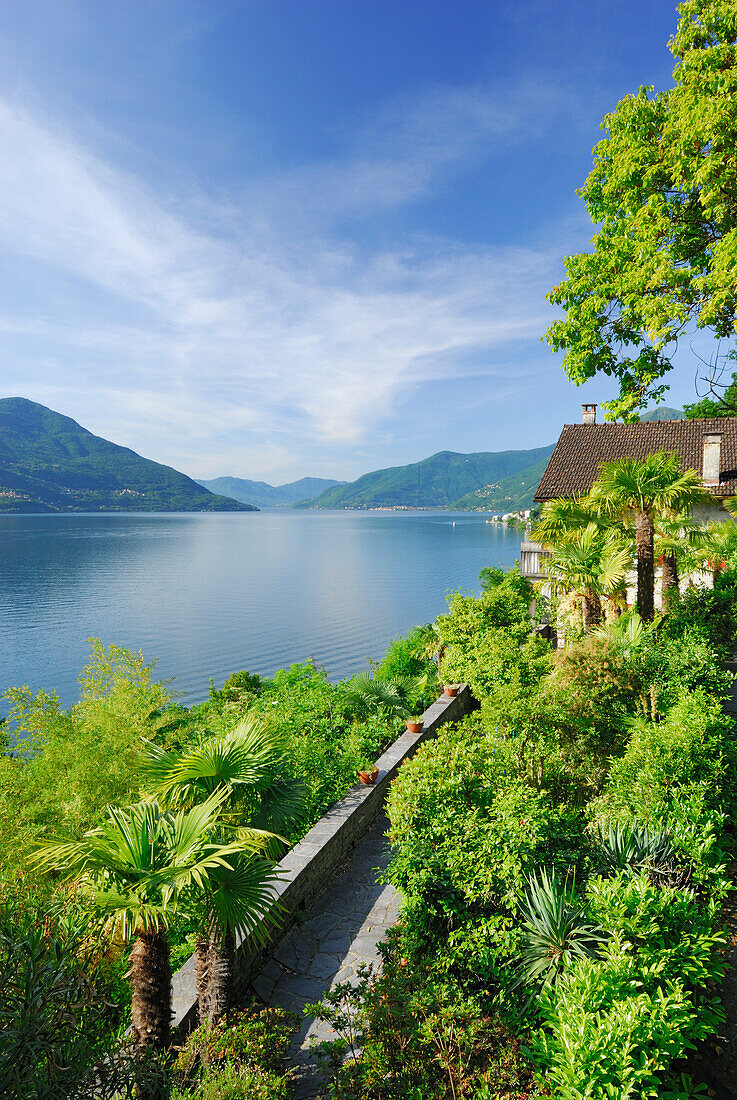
(257, 326)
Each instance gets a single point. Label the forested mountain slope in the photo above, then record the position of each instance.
(50, 463)
(436, 482)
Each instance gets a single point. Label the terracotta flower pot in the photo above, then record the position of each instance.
(369, 777)
(451, 690)
(414, 727)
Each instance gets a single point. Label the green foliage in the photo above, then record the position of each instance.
(466, 833)
(605, 1034)
(365, 695)
(410, 658)
(660, 193)
(684, 760)
(250, 764)
(71, 764)
(724, 404)
(485, 640)
(238, 689)
(670, 931)
(52, 464)
(629, 847)
(614, 1027)
(247, 1047)
(323, 746)
(55, 1004)
(414, 1040)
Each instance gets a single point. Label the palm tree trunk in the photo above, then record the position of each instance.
(591, 611)
(669, 579)
(150, 978)
(202, 972)
(644, 543)
(221, 960)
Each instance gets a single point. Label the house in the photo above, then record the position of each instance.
(707, 446)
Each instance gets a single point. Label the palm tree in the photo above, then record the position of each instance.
(366, 694)
(247, 768)
(682, 546)
(634, 491)
(594, 565)
(563, 518)
(143, 865)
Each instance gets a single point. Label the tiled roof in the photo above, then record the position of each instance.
(581, 449)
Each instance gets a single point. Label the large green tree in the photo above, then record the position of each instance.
(663, 193)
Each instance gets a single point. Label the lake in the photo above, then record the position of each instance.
(207, 593)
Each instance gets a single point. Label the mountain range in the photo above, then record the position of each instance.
(447, 480)
(50, 463)
(264, 495)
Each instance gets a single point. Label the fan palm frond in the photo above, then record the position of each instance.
(366, 695)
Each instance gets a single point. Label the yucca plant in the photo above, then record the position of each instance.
(631, 847)
(556, 930)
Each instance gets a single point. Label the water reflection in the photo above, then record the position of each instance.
(207, 594)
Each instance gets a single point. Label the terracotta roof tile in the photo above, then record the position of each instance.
(581, 449)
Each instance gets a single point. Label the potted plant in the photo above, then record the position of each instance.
(451, 690)
(415, 724)
(368, 774)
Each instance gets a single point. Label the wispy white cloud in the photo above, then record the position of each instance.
(257, 327)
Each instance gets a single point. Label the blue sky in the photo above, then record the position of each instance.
(272, 238)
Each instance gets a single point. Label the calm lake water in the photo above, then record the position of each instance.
(207, 594)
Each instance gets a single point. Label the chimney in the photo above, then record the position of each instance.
(589, 414)
(712, 458)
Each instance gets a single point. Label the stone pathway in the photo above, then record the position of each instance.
(341, 931)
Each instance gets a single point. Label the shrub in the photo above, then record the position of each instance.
(74, 763)
(485, 641)
(55, 1000)
(606, 1034)
(687, 758)
(556, 929)
(237, 1083)
(465, 833)
(252, 1041)
(670, 933)
(418, 1040)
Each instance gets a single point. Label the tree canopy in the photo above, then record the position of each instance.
(663, 192)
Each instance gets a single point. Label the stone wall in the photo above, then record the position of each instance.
(310, 865)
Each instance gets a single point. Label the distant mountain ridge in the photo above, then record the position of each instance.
(50, 463)
(264, 495)
(446, 480)
(662, 412)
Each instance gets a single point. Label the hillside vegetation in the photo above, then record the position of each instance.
(50, 463)
(509, 494)
(442, 481)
